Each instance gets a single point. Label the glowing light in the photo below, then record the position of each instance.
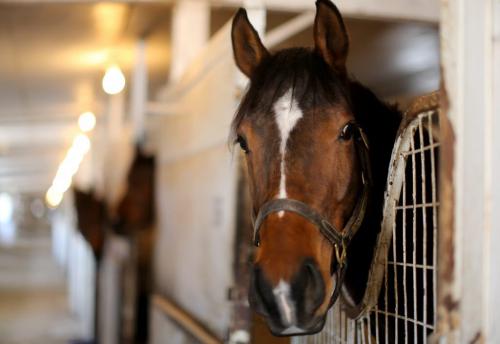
(70, 164)
(110, 20)
(81, 144)
(62, 183)
(6, 207)
(113, 81)
(67, 169)
(86, 121)
(53, 197)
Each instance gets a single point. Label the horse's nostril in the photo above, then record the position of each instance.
(261, 295)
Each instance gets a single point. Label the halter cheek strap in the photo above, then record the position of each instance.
(339, 239)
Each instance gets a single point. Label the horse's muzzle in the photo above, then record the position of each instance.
(290, 307)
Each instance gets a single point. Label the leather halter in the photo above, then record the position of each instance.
(340, 239)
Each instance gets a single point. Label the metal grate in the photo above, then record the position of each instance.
(403, 288)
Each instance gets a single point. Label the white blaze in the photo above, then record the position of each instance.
(285, 304)
(287, 114)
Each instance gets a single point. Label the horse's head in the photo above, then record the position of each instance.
(91, 217)
(136, 208)
(298, 131)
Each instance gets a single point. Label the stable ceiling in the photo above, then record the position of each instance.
(52, 58)
(53, 55)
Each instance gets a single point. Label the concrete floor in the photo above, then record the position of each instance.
(33, 299)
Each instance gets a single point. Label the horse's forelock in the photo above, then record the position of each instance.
(301, 70)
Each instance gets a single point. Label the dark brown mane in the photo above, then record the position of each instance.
(380, 123)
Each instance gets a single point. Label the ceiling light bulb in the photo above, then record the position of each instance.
(86, 121)
(113, 81)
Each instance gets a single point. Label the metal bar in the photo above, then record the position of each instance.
(395, 265)
(369, 325)
(351, 337)
(408, 319)
(421, 149)
(434, 221)
(361, 329)
(413, 206)
(404, 255)
(414, 232)
(420, 266)
(424, 223)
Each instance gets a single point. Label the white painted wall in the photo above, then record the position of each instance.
(196, 180)
(493, 187)
(72, 252)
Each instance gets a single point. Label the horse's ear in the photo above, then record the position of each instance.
(330, 35)
(248, 49)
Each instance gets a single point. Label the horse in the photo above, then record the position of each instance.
(135, 211)
(135, 220)
(317, 145)
(132, 219)
(91, 217)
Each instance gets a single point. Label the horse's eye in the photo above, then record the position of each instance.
(243, 144)
(347, 132)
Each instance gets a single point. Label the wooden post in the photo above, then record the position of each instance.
(115, 116)
(190, 32)
(139, 91)
(493, 186)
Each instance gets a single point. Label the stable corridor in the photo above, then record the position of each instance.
(34, 303)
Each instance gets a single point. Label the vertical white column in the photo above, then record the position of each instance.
(116, 149)
(466, 42)
(493, 330)
(139, 91)
(116, 114)
(190, 32)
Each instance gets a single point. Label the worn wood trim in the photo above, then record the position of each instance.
(185, 320)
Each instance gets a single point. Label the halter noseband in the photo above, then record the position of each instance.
(340, 239)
